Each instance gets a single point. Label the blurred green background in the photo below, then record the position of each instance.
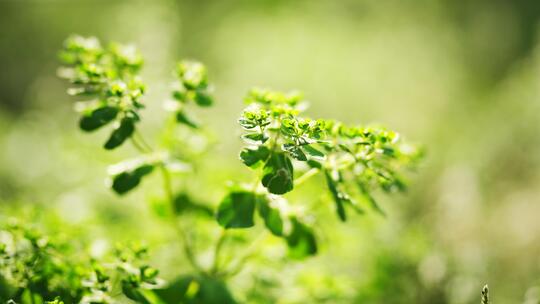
(461, 77)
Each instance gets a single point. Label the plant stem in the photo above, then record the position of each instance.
(217, 250)
(142, 146)
(304, 177)
(250, 252)
(188, 248)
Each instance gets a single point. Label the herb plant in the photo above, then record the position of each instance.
(283, 148)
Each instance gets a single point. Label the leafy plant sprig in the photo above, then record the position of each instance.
(355, 161)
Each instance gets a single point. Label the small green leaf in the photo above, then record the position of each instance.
(365, 193)
(271, 216)
(236, 209)
(133, 294)
(129, 179)
(196, 290)
(314, 164)
(255, 138)
(312, 151)
(123, 131)
(251, 156)
(183, 202)
(203, 99)
(278, 174)
(339, 197)
(295, 152)
(179, 95)
(301, 240)
(97, 118)
(182, 117)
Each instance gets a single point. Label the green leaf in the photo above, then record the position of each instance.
(278, 174)
(365, 193)
(123, 131)
(251, 157)
(247, 123)
(182, 117)
(312, 151)
(97, 118)
(295, 152)
(301, 240)
(183, 202)
(271, 216)
(191, 289)
(255, 138)
(339, 197)
(129, 179)
(203, 99)
(314, 164)
(236, 209)
(133, 294)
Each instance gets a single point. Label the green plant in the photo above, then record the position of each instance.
(485, 295)
(283, 148)
(39, 268)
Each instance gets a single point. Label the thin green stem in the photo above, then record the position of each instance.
(188, 247)
(142, 146)
(248, 254)
(217, 250)
(138, 146)
(142, 141)
(304, 177)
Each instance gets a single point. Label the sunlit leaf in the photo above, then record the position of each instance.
(271, 216)
(236, 209)
(278, 174)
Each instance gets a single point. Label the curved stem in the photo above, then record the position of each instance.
(250, 252)
(217, 250)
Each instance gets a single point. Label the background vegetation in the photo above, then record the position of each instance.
(460, 77)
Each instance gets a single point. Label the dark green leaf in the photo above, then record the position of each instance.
(301, 240)
(126, 181)
(255, 138)
(236, 209)
(271, 216)
(182, 117)
(196, 290)
(312, 151)
(203, 99)
(179, 95)
(251, 157)
(185, 203)
(339, 197)
(370, 199)
(97, 118)
(295, 152)
(120, 134)
(134, 294)
(278, 174)
(314, 164)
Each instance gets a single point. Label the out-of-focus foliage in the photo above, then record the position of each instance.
(459, 76)
(38, 268)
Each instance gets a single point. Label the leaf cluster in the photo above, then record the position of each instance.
(39, 268)
(354, 160)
